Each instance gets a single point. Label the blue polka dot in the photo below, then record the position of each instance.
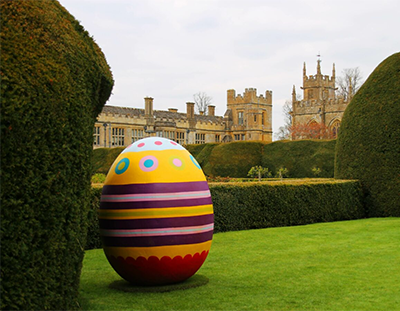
(148, 163)
(195, 162)
(122, 166)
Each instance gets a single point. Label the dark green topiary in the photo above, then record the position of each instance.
(55, 81)
(300, 157)
(368, 147)
(234, 159)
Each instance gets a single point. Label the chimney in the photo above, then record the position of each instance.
(190, 110)
(172, 109)
(211, 110)
(148, 106)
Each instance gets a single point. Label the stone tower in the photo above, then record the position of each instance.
(250, 116)
(319, 104)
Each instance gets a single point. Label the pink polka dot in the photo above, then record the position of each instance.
(158, 143)
(174, 143)
(140, 145)
(177, 162)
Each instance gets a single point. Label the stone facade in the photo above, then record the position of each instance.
(248, 117)
(319, 104)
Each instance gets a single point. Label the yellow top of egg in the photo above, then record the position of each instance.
(154, 160)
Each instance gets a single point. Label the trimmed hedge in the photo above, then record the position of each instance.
(55, 81)
(255, 205)
(244, 206)
(368, 147)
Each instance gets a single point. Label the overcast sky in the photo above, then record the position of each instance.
(172, 49)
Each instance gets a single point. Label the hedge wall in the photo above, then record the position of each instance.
(54, 83)
(368, 147)
(243, 206)
(255, 205)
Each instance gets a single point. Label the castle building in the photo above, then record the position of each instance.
(248, 117)
(319, 105)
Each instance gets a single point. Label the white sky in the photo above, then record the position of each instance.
(172, 49)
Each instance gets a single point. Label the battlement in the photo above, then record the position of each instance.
(312, 78)
(249, 97)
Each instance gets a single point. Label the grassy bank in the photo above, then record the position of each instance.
(350, 265)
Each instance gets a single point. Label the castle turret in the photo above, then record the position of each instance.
(294, 95)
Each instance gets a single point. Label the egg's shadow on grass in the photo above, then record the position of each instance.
(195, 281)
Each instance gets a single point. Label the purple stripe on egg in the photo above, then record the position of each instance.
(157, 240)
(155, 188)
(156, 222)
(141, 197)
(156, 204)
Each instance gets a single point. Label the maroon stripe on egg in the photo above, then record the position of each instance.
(156, 222)
(157, 240)
(156, 204)
(155, 188)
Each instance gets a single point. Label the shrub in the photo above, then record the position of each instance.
(282, 172)
(368, 146)
(55, 81)
(259, 171)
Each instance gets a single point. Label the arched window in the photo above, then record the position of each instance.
(335, 128)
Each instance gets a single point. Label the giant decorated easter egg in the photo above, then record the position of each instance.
(156, 214)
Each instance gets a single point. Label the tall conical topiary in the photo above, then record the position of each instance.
(368, 146)
(54, 82)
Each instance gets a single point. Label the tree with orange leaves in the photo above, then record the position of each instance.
(312, 130)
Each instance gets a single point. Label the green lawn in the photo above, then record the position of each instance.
(349, 265)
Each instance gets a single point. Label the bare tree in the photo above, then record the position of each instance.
(202, 101)
(287, 112)
(350, 76)
(284, 132)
